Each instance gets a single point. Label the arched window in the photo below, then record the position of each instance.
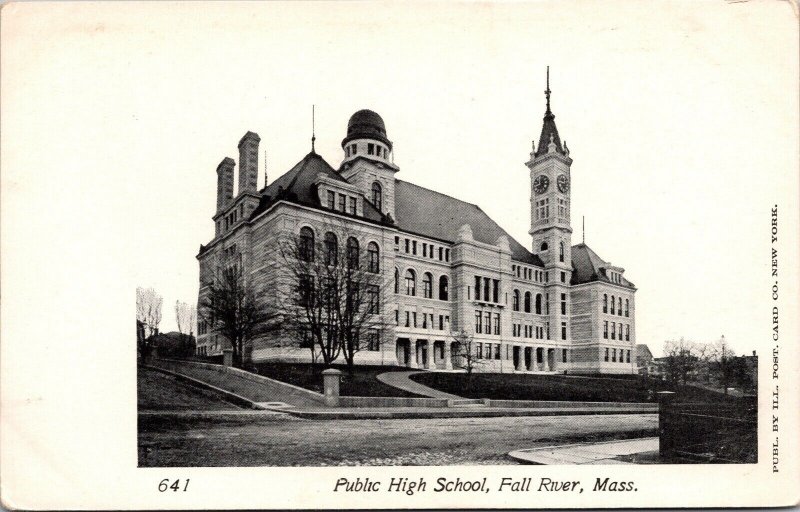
(613, 302)
(377, 195)
(305, 249)
(444, 292)
(352, 253)
(561, 251)
(331, 249)
(396, 280)
(605, 303)
(427, 285)
(538, 303)
(626, 307)
(543, 246)
(619, 308)
(515, 301)
(527, 302)
(411, 282)
(373, 258)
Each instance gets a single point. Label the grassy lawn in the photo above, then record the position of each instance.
(560, 387)
(362, 382)
(160, 392)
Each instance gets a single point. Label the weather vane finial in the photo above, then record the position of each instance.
(547, 91)
(313, 135)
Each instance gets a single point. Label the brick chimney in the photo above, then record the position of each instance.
(224, 183)
(248, 162)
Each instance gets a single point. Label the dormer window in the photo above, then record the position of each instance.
(370, 149)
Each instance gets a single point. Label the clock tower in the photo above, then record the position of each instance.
(551, 232)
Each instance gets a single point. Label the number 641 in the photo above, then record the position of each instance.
(176, 486)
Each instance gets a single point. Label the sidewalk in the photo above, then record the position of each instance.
(587, 453)
(400, 380)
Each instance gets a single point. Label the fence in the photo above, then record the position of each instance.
(709, 432)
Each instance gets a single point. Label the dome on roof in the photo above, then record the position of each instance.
(366, 124)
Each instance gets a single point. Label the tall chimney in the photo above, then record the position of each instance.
(248, 162)
(224, 183)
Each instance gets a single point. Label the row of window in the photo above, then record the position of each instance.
(410, 284)
(307, 247)
(614, 331)
(328, 291)
(370, 342)
(234, 216)
(428, 320)
(372, 149)
(626, 353)
(483, 322)
(345, 203)
(530, 274)
(494, 351)
(539, 332)
(486, 289)
(616, 306)
(540, 309)
(614, 277)
(428, 250)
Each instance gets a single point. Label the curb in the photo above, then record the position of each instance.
(227, 395)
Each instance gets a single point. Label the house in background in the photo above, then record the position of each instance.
(644, 359)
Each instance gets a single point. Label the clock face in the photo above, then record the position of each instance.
(541, 183)
(563, 183)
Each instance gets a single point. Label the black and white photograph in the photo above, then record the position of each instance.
(390, 255)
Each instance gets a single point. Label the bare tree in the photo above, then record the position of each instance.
(722, 356)
(681, 359)
(333, 294)
(465, 356)
(185, 319)
(148, 312)
(230, 307)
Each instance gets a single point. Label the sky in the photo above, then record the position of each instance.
(681, 122)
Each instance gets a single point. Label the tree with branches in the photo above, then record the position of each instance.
(231, 308)
(681, 359)
(333, 292)
(186, 320)
(148, 312)
(465, 356)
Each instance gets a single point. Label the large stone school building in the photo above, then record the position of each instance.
(545, 306)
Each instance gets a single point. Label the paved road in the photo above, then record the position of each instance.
(401, 380)
(250, 440)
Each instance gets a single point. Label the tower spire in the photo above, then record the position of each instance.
(547, 91)
(313, 135)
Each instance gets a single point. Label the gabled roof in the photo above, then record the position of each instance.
(428, 213)
(587, 267)
(297, 186)
(643, 351)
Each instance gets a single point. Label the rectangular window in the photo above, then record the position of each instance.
(563, 355)
(613, 355)
(414, 247)
(414, 317)
(478, 322)
(397, 317)
(370, 149)
(441, 322)
(497, 323)
(305, 290)
(605, 329)
(331, 200)
(441, 255)
(563, 330)
(354, 149)
(353, 205)
(407, 245)
(605, 303)
(342, 202)
(495, 290)
(447, 255)
(486, 289)
(479, 350)
(606, 359)
(487, 328)
(372, 299)
(563, 277)
(408, 319)
(487, 350)
(627, 332)
(613, 331)
(620, 306)
(613, 309)
(497, 351)
(563, 303)
(626, 307)
(373, 340)
(446, 321)
(424, 321)
(478, 281)
(397, 243)
(424, 250)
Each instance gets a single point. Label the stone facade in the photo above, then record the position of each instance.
(446, 267)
